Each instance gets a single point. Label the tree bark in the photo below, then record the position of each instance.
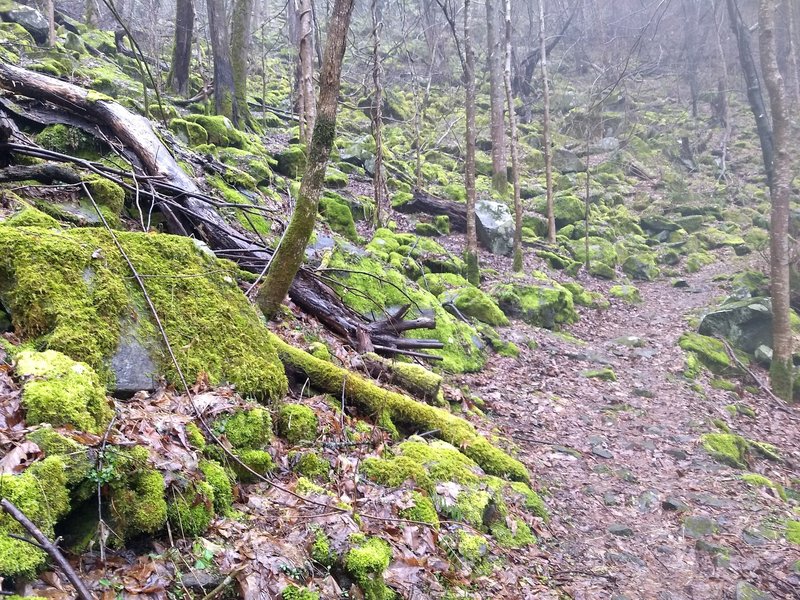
(548, 158)
(182, 50)
(498, 126)
(690, 13)
(289, 255)
(306, 51)
(241, 35)
(471, 251)
(781, 373)
(225, 102)
(791, 24)
(378, 180)
(754, 95)
(512, 121)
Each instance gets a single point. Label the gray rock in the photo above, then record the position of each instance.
(697, 527)
(631, 341)
(747, 591)
(620, 530)
(677, 453)
(720, 554)
(495, 226)
(763, 354)
(647, 500)
(674, 504)
(31, 20)
(566, 161)
(747, 323)
(133, 366)
(611, 499)
(607, 144)
(601, 452)
(657, 224)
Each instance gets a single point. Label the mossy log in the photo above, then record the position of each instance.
(401, 410)
(416, 380)
(193, 214)
(425, 203)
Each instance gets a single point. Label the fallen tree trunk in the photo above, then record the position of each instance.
(401, 410)
(431, 205)
(192, 214)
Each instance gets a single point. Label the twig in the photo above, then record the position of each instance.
(44, 543)
(764, 387)
(223, 584)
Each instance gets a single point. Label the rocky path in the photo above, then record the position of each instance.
(639, 509)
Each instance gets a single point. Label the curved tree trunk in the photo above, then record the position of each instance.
(182, 50)
(289, 255)
(781, 372)
(225, 102)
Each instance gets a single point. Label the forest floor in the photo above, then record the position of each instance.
(639, 509)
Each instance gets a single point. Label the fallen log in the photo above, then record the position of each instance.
(423, 202)
(190, 212)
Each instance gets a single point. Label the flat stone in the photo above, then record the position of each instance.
(626, 558)
(133, 367)
(631, 341)
(674, 504)
(647, 500)
(620, 530)
(753, 538)
(720, 554)
(601, 452)
(677, 453)
(611, 499)
(643, 393)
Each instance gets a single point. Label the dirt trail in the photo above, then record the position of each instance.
(639, 509)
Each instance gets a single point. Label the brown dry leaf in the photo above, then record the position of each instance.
(16, 460)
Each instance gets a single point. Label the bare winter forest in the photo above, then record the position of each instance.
(414, 299)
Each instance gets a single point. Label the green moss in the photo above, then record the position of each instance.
(710, 351)
(393, 472)
(401, 198)
(606, 374)
(191, 510)
(71, 292)
(218, 479)
(335, 179)
(426, 229)
(74, 455)
(292, 592)
(249, 429)
(188, 132)
(297, 423)
(220, 130)
(472, 302)
(727, 448)
(531, 500)
(306, 486)
(422, 510)
(548, 305)
(137, 496)
(471, 547)
(404, 411)
(567, 208)
(793, 532)
(321, 550)
(68, 140)
(583, 297)
(641, 266)
(319, 350)
(259, 461)
(60, 391)
(442, 224)
(41, 494)
(106, 193)
(32, 217)
(309, 464)
(518, 536)
(697, 260)
(366, 562)
(338, 216)
(756, 480)
(292, 161)
(627, 293)
(195, 437)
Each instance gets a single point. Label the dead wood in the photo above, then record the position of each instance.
(426, 203)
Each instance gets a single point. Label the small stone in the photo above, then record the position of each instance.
(674, 504)
(747, 591)
(620, 530)
(611, 499)
(601, 452)
(720, 554)
(631, 341)
(763, 354)
(647, 500)
(753, 538)
(643, 393)
(677, 453)
(697, 527)
(680, 283)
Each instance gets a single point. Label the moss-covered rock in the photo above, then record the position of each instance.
(710, 351)
(606, 374)
(189, 132)
(249, 429)
(727, 448)
(68, 140)
(602, 256)
(220, 131)
(292, 161)
(72, 292)
(73, 454)
(106, 193)
(137, 503)
(338, 216)
(309, 464)
(697, 260)
(60, 391)
(292, 592)
(365, 562)
(641, 266)
(421, 510)
(757, 480)
(41, 494)
(217, 477)
(191, 509)
(297, 423)
(32, 217)
(626, 293)
(567, 208)
(549, 305)
(335, 179)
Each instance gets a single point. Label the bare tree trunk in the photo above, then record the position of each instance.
(498, 128)
(512, 120)
(178, 78)
(307, 102)
(795, 68)
(225, 102)
(293, 33)
(241, 35)
(548, 158)
(691, 15)
(289, 255)
(722, 100)
(50, 8)
(754, 95)
(90, 13)
(379, 183)
(471, 251)
(781, 375)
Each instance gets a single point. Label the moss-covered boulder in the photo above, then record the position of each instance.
(626, 293)
(456, 292)
(641, 266)
(746, 324)
(137, 503)
(220, 130)
(41, 494)
(297, 423)
(68, 140)
(366, 561)
(547, 305)
(191, 509)
(72, 292)
(708, 350)
(335, 179)
(567, 208)
(190, 133)
(398, 248)
(60, 391)
(338, 215)
(602, 256)
(370, 286)
(292, 161)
